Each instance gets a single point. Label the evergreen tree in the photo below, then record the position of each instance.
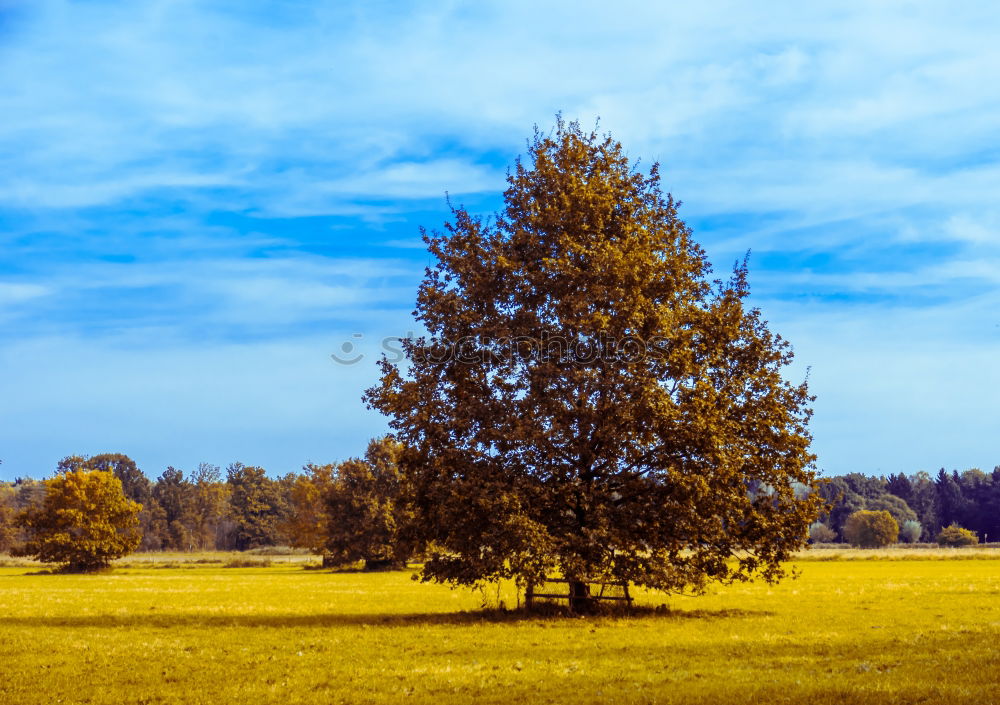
(950, 501)
(256, 505)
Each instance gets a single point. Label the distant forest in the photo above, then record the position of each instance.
(244, 508)
(970, 499)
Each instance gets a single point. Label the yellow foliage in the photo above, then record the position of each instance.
(869, 529)
(83, 522)
(955, 535)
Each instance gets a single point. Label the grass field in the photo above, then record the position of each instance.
(846, 631)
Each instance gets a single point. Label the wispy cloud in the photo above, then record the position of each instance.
(181, 179)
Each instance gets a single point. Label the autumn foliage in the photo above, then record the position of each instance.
(868, 529)
(367, 509)
(588, 401)
(955, 536)
(83, 522)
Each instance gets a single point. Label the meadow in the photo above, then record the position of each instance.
(854, 627)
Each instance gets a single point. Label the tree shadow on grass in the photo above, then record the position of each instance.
(282, 621)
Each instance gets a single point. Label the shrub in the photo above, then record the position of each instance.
(275, 551)
(955, 536)
(247, 563)
(868, 529)
(910, 531)
(821, 533)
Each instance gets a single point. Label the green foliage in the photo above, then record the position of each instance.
(588, 402)
(84, 522)
(894, 505)
(174, 495)
(924, 501)
(954, 535)
(951, 501)
(853, 492)
(366, 508)
(970, 499)
(821, 533)
(257, 506)
(869, 529)
(910, 531)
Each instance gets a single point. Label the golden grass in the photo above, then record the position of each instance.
(922, 552)
(846, 631)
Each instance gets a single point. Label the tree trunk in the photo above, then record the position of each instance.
(579, 597)
(383, 564)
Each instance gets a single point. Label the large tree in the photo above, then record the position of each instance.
(587, 400)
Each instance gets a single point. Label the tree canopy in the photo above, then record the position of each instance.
(587, 400)
(871, 529)
(84, 521)
(367, 508)
(257, 505)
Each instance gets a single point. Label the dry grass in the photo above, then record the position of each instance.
(901, 552)
(846, 631)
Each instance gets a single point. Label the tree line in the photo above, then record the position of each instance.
(921, 504)
(359, 510)
(239, 509)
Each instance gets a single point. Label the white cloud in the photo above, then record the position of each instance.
(111, 98)
(417, 180)
(857, 131)
(899, 389)
(17, 292)
(223, 297)
(982, 230)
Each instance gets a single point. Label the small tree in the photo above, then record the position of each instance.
(955, 536)
(136, 486)
(910, 531)
(868, 529)
(821, 533)
(84, 521)
(367, 508)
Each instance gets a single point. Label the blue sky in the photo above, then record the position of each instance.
(200, 202)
